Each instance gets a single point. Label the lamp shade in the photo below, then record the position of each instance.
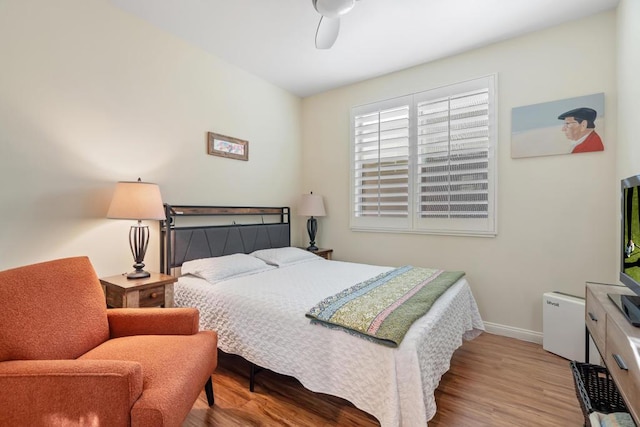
(311, 205)
(136, 200)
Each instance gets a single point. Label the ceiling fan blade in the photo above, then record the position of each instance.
(327, 32)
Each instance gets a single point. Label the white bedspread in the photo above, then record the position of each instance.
(262, 318)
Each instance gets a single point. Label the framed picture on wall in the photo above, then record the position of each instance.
(567, 126)
(226, 146)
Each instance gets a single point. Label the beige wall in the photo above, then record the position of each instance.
(556, 222)
(89, 96)
(628, 55)
(628, 88)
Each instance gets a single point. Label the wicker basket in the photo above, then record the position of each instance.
(596, 390)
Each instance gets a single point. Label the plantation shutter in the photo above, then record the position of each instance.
(380, 173)
(425, 163)
(454, 149)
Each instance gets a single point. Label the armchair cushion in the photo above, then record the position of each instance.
(175, 369)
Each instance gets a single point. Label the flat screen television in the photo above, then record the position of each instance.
(630, 250)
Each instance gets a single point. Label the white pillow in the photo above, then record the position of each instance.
(225, 267)
(285, 256)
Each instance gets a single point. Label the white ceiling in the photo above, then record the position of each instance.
(274, 39)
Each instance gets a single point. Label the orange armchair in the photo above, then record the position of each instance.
(67, 360)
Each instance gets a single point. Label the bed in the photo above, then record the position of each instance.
(261, 315)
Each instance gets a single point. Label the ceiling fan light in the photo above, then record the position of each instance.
(333, 8)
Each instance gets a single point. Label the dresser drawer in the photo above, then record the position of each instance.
(152, 297)
(621, 360)
(596, 320)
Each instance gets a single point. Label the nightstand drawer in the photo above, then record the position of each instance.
(152, 297)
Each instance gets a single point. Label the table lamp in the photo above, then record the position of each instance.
(137, 200)
(311, 205)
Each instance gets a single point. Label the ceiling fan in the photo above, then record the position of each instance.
(329, 25)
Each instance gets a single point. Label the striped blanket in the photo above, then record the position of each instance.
(382, 309)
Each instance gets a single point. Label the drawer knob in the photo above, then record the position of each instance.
(154, 295)
(593, 317)
(620, 362)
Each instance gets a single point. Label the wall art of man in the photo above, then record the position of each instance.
(579, 127)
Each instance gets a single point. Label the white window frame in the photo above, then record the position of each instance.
(413, 223)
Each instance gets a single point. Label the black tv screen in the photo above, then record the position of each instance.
(630, 233)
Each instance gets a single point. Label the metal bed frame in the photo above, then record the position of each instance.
(180, 243)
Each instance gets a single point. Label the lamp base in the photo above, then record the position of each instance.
(138, 241)
(312, 228)
(138, 274)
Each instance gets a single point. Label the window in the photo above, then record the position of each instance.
(425, 163)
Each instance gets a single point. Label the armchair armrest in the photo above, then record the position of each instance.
(62, 392)
(153, 321)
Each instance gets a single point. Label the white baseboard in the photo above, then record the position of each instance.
(510, 331)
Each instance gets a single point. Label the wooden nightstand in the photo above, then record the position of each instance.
(153, 291)
(323, 252)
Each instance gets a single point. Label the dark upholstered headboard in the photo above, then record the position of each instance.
(251, 228)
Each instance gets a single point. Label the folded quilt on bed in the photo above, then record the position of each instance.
(383, 308)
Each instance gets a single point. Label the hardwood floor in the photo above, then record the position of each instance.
(493, 381)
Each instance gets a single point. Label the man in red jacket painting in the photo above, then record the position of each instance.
(579, 127)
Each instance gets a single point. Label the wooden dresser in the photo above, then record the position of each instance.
(617, 340)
